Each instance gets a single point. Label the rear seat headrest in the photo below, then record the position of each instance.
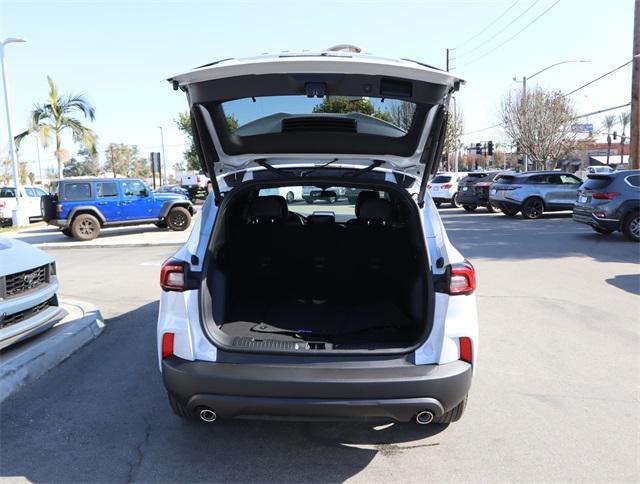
(376, 209)
(365, 195)
(271, 208)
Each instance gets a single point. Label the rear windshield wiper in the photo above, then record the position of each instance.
(319, 167)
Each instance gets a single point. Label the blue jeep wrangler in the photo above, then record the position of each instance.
(81, 207)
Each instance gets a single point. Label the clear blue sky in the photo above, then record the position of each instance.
(119, 52)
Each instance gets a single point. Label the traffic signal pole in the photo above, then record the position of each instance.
(634, 151)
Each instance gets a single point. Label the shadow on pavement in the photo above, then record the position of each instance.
(103, 415)
(55, 235)
(496, 236)
(626, 282)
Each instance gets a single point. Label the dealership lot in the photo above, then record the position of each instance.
(555, 395)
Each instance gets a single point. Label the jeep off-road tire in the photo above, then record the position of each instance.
(67, 232)
(454, 414)
(631, 226)
(85, 227)
(178, 219)
(161, 225)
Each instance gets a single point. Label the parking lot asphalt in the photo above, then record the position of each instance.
(555, 396)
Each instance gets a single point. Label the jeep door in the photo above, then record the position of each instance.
(108, 200)
(136, 203)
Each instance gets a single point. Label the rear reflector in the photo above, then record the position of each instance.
(463, 278)
(167, 345)
(59, 208)
(605, 195)
(466, 353)
(172, 275)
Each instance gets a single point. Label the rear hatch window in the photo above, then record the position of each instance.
(597, 182)
(441, 179)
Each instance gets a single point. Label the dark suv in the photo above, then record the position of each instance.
(609, 202)
(81, 207)
(473, 190)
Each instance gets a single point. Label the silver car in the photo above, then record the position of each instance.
(534, 193)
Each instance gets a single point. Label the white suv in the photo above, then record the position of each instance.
(443, 188)
(296, 311)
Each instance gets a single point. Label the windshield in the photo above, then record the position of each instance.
(275, 114)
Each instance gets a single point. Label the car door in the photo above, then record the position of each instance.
(570, 185)
(135, 203)
(32, 201)
(108, 200)
(552, 190)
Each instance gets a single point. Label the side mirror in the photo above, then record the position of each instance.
(144, 192)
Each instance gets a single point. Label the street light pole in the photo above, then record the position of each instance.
(525, 158)
(164, 158)
(18, 217)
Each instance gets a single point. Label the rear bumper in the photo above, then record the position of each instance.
(59, 222)
(504, 205)
(473, 198)
(590, 219)
(310, 392)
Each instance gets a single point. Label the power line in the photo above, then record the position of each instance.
(604, 110)
(489, 25)
(499, 31)
(514, 35)
(598, 78)
(483, 129)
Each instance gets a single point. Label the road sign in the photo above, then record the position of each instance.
(582, 128)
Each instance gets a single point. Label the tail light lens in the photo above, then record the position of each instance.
(2, 204)
(447, 185)
(197, 179)
(605, 195)
(466, 349)
(172, 275)
(429, 185)
(59, 208)
(463, 278)
(167, 344)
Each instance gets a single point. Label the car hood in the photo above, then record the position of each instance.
(314, 136)
(18, 256)
(170, 196)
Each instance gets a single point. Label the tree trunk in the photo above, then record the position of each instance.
(608, 147)
(59, 157)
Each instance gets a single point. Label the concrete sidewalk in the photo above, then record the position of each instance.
(48, 237)
(26, 361)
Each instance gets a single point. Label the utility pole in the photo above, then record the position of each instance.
(635, 92)
(19, 217)
(525, 157)
(164, 158)
(113, 167)
(447, 60)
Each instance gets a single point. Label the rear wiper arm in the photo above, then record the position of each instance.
(319, 167)
(263, 163)
(362, 171)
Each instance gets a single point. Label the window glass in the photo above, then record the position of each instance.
(542, 179)
(6, 192)
(30, 192)
(77, 191)
(53, 189)
(133, 188)
(40, 192)
(106, 189)
(597, 183)
(569, 180)
(634, 180)
(441, 179)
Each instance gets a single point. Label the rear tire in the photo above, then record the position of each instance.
(491, 208)
(178, 408)
(533, 208)
(454, 414)
(290, 197)
(178, 219)
(631, 226)
(85, 227)
(161, 225)
(67, 232)
(469, 208)
(602, 231)
(454, 201)
(438, 204)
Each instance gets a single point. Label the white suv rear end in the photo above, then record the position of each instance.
(277, 308)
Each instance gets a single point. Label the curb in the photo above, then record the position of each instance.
(118, 245)
(48, 352)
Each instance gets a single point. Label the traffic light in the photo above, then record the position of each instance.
(478, 148)
(490, 148)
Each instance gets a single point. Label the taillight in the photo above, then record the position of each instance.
(59, 208)
(605, 195)
(197, 179)
(172, 275)
(600, 214)
(447, 185)
(429, 185)
(466, 351)
(463, 278)
(2, 204)
(167, 344)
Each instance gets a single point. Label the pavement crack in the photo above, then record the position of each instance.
(135, 465)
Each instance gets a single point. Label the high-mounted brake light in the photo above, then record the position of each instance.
(172, 275)
(463, 278)
(605, 195)
(167, 344)
(466, 349)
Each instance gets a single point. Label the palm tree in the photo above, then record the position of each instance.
(55, 115)
(609, 123)
(625, 119)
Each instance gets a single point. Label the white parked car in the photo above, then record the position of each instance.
(365, 312)
(290, 194)
(443, 188)
(600, 169)
(28, 287)
(29, 197)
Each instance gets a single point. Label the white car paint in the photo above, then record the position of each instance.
(445, 191)
(29, 199)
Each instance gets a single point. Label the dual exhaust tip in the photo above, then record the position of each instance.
(423, 418)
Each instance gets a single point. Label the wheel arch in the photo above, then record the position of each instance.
(169, 204)
(86, 209)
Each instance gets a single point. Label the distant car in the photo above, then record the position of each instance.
(535, 192)
(29, 198)
(313, 194)
(81, 207)
(28, 286)
(610, 202)
(290, 194)
(443, 188)
(599, 169)
(172, 189)
(196, 184)
(473, 190)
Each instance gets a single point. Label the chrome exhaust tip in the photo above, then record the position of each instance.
(425, 417)
(208, 415)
